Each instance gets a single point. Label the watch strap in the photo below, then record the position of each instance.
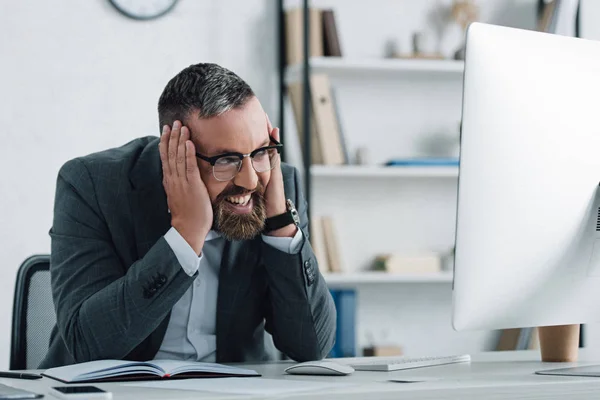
(279, 221)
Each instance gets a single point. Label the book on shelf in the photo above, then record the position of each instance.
(426, 263)
(341, 134)
(294, 34)
(332, 243)
(295, 93)
(327, 144)
(317, 241)
(324, 241)
(328, 129)
(119, 370)
(345, 335)
(331, 38)
(382, 351)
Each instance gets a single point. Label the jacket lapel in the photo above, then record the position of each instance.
(151, 217)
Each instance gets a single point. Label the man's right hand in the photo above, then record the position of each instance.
(187, 197)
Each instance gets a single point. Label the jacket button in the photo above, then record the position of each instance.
(307, 264)
(153, 289)
(163, 279)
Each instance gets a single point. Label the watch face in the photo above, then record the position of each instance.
(143, 9)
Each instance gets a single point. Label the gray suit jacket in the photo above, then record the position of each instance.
(115, 278)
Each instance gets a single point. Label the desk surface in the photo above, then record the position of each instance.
(498, 375)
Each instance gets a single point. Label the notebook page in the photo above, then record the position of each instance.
(173, 367)
(91, 369)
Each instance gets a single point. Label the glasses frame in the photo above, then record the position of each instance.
(212, 160)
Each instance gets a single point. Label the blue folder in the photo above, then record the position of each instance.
(423, 162)
(345, 341)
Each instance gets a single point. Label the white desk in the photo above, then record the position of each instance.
(498, 375)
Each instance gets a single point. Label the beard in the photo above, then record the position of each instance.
(234, 226)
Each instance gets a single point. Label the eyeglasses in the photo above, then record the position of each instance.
(226, 166)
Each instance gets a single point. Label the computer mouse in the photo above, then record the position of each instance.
(322, 367)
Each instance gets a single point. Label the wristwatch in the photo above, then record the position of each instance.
(281, 220)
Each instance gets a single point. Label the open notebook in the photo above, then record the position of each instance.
(117, 370)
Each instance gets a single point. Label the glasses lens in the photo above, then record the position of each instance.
(265, 160)
(225, 168)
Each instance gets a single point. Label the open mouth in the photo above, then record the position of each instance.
(240, 204)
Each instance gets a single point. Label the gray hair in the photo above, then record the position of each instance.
(208, 89)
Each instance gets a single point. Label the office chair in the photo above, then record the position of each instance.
(33, 313)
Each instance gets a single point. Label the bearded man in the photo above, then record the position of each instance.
(187, 246)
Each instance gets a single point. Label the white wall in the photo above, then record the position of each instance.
(77, 77)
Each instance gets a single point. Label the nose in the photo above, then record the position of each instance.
(247, 177)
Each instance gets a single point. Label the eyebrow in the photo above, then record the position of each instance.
(224, 151)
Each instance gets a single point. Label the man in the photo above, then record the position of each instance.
(188, 246)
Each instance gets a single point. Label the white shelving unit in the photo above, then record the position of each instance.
(361, 278)
(391, 109)
(359, 171)
(377, 67)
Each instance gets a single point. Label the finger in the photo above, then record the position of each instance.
(181, 152)
(172, 150)
(275, 134)
(162, 149)
(191, 166)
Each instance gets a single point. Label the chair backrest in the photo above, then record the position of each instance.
(33, 313)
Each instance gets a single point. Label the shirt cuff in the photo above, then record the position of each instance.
(290, 245)
(187, 257)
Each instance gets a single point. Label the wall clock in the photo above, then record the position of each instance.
(143, 9)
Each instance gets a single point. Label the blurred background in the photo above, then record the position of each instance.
(386, 85)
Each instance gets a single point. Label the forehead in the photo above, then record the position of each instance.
(238, 130)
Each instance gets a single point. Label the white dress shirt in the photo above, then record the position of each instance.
(191, 333)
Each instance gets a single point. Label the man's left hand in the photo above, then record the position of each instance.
(275, 194)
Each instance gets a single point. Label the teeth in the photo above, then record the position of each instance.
(242, 200)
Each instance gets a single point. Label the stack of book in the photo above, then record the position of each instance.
(327, 144)
(323, 34)
(326, 138)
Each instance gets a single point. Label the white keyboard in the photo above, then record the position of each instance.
(397, 363)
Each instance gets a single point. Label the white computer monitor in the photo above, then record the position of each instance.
(528, 214)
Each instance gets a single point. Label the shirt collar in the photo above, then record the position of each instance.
(212, 235)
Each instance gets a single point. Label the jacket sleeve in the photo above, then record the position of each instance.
(104, 310)
(300, 313)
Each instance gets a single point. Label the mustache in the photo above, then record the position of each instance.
(235, 190)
